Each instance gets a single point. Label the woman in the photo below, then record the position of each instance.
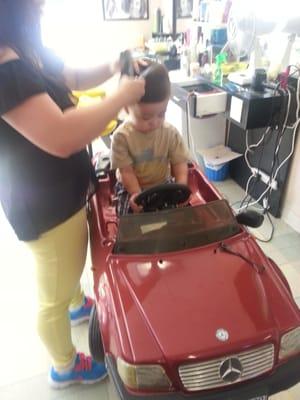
(45, 174)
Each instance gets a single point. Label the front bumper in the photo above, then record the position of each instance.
(284, 377)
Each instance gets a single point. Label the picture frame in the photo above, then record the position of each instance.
(184, 8)
(123, 10)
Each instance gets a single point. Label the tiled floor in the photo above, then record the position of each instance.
(24, 362)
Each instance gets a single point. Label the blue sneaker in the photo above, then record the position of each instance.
(85, 371)
(83, 313)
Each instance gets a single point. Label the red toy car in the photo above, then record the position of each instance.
(187, 304)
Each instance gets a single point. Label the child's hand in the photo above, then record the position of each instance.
(185, 203)
(135, 208)
(132, 90)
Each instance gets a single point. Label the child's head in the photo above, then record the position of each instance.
(149, 113)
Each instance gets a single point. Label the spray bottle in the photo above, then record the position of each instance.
(221, 58)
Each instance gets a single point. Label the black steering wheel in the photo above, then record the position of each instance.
(162, 197)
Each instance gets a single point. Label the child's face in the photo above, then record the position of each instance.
(148, 116)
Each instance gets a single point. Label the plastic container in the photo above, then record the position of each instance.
(216, 172)
(219, 36)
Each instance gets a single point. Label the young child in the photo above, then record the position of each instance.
(147, 151)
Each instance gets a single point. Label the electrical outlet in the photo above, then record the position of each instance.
(274, 184)
(254, 171)
(265, 178)
(266, 203)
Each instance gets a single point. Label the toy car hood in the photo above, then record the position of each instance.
(177, 302)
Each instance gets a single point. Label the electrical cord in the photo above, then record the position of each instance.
(292, 150)
(260, 209)
(272, 177)
(265, 211)
(192, 146)
(253, 174)
(280, 134)
(272, 231)
(249, 149)
(296, 125)
(295, 130)
(190, 139)
(247, 197)
(275, 162)
(296, 67)
(258, 167)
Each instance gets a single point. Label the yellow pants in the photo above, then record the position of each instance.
(60, 255)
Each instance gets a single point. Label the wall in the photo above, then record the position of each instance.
(77, 31)
(120, 35)
(183, 24)
(131, 32)
(291, 206)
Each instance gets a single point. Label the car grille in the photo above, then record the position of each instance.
(207, 375)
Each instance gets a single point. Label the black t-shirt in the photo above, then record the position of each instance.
(38, 191)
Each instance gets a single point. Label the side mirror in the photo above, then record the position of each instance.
(250, 218)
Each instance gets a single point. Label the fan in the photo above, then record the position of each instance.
(247, 22)
(240, 31)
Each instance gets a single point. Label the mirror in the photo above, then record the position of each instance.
(183, 15)
(176, 14)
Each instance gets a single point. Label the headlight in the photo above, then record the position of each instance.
(290, 344)
(139, 377)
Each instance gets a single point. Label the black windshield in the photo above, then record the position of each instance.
(176, 229)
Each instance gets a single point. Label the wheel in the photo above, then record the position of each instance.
(95, 340)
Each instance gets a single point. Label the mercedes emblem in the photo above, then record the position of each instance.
(222, 335)
(231, 370)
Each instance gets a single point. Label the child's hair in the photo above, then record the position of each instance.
(157, 83)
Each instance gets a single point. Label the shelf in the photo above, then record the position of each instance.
(211, 25)
(164, 35)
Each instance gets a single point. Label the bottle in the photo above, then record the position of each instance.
(161, 26)
(194, 69)
(204, 59)
(184, 61)
(218, 75)
(157, 21)
(226, 11)
(202, 10)
(169, 43)
(200, 49)
(166, 25)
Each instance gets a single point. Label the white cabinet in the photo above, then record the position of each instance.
(200, 133)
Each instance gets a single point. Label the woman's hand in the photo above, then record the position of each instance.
(131, 90)
(127, 65)
(115, 66)
(138, 64)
